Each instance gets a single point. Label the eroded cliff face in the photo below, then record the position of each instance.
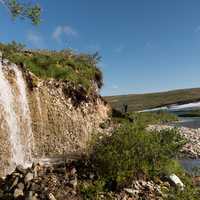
(47, 117)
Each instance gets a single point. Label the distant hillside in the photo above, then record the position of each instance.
(137, 102)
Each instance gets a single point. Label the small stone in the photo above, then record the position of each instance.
(20, 169)
(176, 181)
(73, 171)
(20, 186)
(91, 176)
(35, 187)
(18, 193)
(28, 177)
(51, 197)
(31, 196)
(15, 183)
(74, 182)
(166, 184)
(131, 191)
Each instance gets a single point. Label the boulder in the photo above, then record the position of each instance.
(20, 186)
(20, 169)
(28, 177)
(175, 180)
(18, 192)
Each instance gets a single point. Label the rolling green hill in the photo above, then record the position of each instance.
(137, 102)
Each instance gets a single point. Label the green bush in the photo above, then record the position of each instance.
(131, 149)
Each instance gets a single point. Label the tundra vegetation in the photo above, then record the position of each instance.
(66, 65)
(130, 151)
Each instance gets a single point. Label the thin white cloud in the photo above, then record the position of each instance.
(61, 31)
(35, 39)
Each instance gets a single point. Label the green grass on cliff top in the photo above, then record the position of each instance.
(79, 69)
(137, 102)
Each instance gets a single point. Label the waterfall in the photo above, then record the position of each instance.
(7, 101)
(25, 112)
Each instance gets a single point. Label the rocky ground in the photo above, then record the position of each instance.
(192, 148)
(39, 182)
(62, 183)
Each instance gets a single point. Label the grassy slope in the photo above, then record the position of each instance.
(76, 68)
(151, 100)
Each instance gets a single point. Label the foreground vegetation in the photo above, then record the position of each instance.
(130, 151)
(137, 102)
(78, 69)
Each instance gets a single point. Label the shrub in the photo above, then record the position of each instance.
(131, 149)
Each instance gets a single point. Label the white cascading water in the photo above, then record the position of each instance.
(7, 102)
(23, 101)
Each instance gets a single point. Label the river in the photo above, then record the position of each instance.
(191, 165)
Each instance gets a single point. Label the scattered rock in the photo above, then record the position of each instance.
(51, 197)
(176, 181)
(20, 169)
(14, 183)
(28, 177)
(18, 192)
(196, 180)
(20, 186)
(74, 182)
(131, 191)
(39, 183)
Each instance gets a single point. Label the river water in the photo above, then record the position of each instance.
(191, 165)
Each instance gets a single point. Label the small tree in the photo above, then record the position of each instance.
(22, 10)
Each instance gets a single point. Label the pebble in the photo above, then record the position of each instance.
(18, 193)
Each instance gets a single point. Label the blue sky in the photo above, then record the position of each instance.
(146, 45)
